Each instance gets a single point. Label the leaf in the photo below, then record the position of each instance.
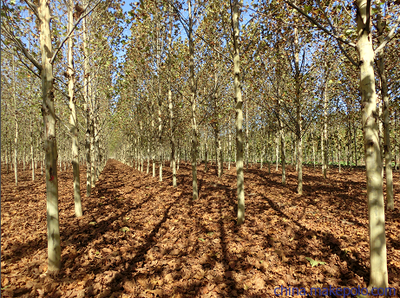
(92, 223)
(124, 229)
(314, 262)
(201, 239)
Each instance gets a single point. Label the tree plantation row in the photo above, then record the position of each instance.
(273, 82)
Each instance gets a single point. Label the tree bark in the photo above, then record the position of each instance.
(298, 114)
(193, 103)
(355, 144)
(247, 135)
(96, 147)
(283, 156)
(32, 150)
(325, 130)
(313, 148)
(277, 151)
(171, 111)
(148, 159)
(87, 94)
(386, 121)
(73, 118)
(373, 161)
(92, 152)
(229, 149)
(16, 125)
(235, 15)
(50, 145)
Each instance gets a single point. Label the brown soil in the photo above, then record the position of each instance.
(142, 238)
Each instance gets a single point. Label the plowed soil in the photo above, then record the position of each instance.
(140, 237)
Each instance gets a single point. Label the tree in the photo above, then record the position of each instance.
(50, 144)
(235, 17)
(373, 161)
(193, 90)
(73, 117)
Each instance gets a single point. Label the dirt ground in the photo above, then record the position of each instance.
(140, 237)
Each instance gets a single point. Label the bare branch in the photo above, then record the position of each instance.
(73, 29)
(22, 48)
(312, 20)
(33, 7)
(389, 37)
(27, 66)
(319, 26)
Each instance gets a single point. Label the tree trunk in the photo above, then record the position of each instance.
(160, 178)
(217, 148)
(87, 94)
(385, 112)
(193, 102)
(247, 135)
(298, 115)
(355, 145)
(339, 154)
(313, 149)
(282, 140)
(235, 14)
(268, 155)
(148, 158)
(73, 118)
(179, 157)
(205, 154)
(283, 156)
(373, 162)
(24, 158)
(32, 151)
(92, 153)
(396, 164)
(96, 147)
(50, 145)
(277, 151)
(324, 142)
(16, 125)
(171, 121)
(229, 149)
(171, 111)
(7, 155)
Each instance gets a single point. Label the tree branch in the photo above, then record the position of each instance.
(319, 26)
(22, 48)
(389, 37)
(73, 29)
(312, 20)
(33, 7)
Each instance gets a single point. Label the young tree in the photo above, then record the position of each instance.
(73, 117)
(235, 17)
(373, 161)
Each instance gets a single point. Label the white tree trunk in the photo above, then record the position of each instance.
(373, 161)
(239, 111)
(87, 95)
(324, 142)
(193, 102)
(73, 118)
(16, 125)
(386, 119)
(50, 145)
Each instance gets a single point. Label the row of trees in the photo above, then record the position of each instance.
(197, 76)
(301, 78)
(58, 64)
